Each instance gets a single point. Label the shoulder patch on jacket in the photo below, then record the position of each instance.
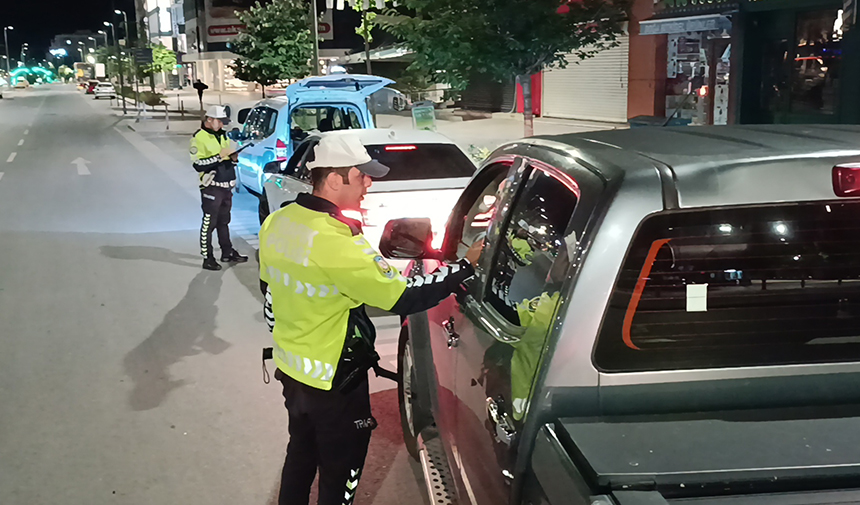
(386, 269)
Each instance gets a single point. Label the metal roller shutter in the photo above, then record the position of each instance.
(595, 89)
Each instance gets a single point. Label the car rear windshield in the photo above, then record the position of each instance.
(422, 161)
(731, 287)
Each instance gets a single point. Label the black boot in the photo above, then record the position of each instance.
(211, 264)
(233, 257)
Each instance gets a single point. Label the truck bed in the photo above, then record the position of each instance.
(761, 451)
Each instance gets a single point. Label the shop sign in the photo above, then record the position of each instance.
(680, 4)
(685, 25)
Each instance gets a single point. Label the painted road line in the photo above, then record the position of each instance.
(11, 158)
(21, 142)
(82, 166)
(26, 132)
(1, 175)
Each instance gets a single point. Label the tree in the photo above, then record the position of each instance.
(275, 43)
(504, 39)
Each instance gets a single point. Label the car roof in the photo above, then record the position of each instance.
(719, 165)
(687, 148)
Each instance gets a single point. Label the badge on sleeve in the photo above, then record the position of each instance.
(386, 269)
(193, 149)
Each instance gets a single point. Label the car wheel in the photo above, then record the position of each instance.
(263, 208)
(412, 418)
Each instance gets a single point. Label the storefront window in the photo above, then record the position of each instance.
(818, 57)
(697, 84)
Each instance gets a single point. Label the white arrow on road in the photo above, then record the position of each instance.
(82, 166)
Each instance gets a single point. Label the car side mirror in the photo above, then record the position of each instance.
(408, 238)
(235, 135)
(274, 167)
(243, 115)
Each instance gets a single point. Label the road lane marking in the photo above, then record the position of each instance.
(21, 142)
(82, 166)
(26, 132)
(1, 175)
(11, 158)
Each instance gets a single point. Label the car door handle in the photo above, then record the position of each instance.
(504, 430)
(453, 337)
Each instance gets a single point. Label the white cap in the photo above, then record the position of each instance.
(218, 112)
(343, 149)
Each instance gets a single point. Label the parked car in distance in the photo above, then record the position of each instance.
(276, 126)
(22, 83)
(659, 315)
(428, 173)
(104, 90)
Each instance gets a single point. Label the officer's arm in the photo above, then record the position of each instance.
(360, 273)
(426, 291)
(202, 164)
(267, 311)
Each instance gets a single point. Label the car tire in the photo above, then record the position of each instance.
(412, 418)
(263, 208)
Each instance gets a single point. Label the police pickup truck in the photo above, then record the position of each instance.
(659, 316)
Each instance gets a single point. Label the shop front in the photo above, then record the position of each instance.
(794, 60)
(759, 61)
(698, 60)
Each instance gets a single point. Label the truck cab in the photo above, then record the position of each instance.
(658, 315)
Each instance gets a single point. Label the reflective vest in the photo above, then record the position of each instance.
(205, 151)
(318, 271)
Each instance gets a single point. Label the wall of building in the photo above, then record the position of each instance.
(647, 67)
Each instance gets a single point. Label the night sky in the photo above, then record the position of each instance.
(38, 21)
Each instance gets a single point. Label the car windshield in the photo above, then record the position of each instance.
(422, 161)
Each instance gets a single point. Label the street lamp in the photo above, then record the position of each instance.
(6, 40)
(102, 32)
(125, 22)
(120, 55)
(95, 42)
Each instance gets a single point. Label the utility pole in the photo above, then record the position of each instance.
(119, 62)
(8, 67)
(315, 30)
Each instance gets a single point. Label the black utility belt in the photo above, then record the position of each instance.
(349, 372)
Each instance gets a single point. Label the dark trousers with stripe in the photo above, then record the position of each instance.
(217, 202)
(329, 431)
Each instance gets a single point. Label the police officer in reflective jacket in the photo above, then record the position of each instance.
(321, 272)
(213, 160)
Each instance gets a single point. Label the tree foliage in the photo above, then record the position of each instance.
(503, 39)
(275, 43)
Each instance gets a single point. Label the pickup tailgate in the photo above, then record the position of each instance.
(802, 456)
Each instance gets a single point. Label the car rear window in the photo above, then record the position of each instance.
(422, 161)
(737, 287)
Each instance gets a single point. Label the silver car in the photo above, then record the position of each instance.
(658, 314)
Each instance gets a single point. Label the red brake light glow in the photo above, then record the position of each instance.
(846, 179)
(400, 148)
(281, 150)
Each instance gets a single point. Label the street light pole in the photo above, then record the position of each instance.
(119, 59)
(8, 67)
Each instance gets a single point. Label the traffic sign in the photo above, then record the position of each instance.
(142, 55)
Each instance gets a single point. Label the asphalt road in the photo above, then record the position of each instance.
(129, 375)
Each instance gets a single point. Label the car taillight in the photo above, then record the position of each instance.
(846, 179)
(400, 148)
(281, 150)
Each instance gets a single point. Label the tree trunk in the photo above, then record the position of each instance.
(528, 116)
(366, 42)
(264, 90)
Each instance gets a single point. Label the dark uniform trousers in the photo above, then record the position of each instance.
(329, 431)
(217, 203)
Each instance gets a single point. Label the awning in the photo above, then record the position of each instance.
(685, 24)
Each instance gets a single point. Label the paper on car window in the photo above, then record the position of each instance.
(697, 297)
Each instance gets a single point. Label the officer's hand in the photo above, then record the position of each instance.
(225, 153)
(234, 157)
(474, 252)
